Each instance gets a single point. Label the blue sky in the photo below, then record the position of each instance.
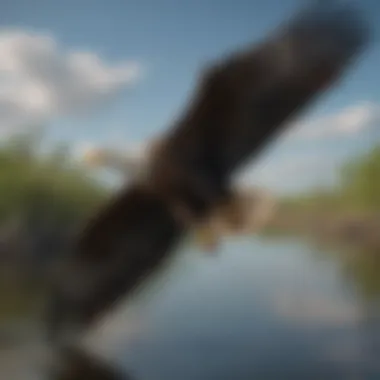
(171, 41)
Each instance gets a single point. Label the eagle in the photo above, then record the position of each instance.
(241, 103)
(247, 211)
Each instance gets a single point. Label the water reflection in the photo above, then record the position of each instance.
(261, 309)
(363, 268)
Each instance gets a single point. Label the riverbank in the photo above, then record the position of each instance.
(357, 230)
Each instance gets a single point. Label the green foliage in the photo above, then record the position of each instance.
(358, 190)
(363, 268)
(39, 186)
(361, 181)
(45, 182)
(357, 197)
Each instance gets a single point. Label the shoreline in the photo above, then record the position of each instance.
(356, 231)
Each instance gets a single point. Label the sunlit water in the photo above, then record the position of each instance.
(259, 309)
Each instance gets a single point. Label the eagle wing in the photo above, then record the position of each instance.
(241, 103)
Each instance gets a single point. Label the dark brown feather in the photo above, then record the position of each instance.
(76, 364)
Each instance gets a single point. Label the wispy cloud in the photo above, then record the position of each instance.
(290, 167)
(349, 122)
(293, 172)
(39, 80)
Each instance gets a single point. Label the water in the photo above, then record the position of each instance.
(260, 309)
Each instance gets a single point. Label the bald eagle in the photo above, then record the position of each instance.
(241, 103)
(247, 210)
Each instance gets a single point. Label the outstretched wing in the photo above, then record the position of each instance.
(240, 104)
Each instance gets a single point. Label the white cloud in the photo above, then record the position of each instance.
(294, 172)
(294, 165)
(348, 122)
(39, 80)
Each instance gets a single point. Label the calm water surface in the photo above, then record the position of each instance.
(259, 309)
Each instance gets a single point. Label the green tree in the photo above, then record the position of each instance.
(48, 182)
(360, 185)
